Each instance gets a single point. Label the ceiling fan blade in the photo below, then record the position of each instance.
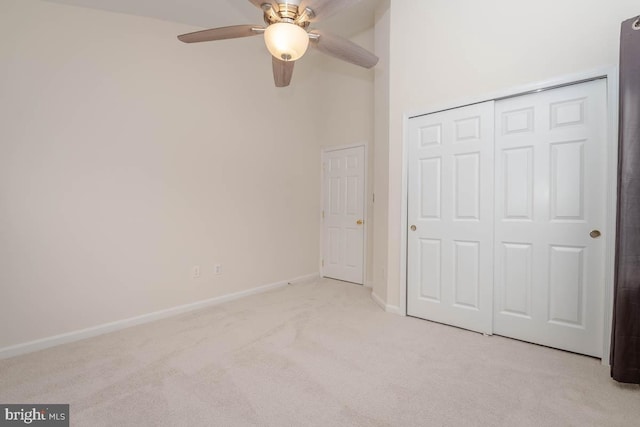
(222, 33)
(324, 8)
(259, 3)
(342, 48)
(282, 71)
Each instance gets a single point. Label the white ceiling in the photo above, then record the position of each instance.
(218, 13)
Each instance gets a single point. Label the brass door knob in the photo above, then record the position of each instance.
(413, 228)
(595, 234)
(359, 222)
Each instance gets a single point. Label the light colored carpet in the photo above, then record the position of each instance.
(320, 354)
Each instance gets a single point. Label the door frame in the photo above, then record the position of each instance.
(365, 200)
(611, 76)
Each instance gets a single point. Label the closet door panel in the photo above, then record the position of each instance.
(550, 195)
(450, 251)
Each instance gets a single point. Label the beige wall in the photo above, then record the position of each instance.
(443, 51)
(346, 118)
(381, 127)
(127, 157)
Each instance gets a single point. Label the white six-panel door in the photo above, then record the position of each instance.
(450, 239)
(550, 195)
(343, 214)
(506, 236)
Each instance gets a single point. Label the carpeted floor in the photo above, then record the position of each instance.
(320, 354)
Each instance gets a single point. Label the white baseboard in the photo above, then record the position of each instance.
(309, 278)
(378, 301)
(41, 344)
(394, 309)
(386, 307)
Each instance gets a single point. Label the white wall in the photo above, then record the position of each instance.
(127, 157)
(443, 51)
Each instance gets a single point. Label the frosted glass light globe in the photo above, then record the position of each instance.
(285, 41)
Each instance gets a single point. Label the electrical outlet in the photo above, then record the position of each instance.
(195, 272)
(218, 269)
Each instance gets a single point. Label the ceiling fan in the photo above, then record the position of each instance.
(287, 34)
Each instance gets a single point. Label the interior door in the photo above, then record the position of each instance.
(550, 205)
(343, 214)
(450, 215)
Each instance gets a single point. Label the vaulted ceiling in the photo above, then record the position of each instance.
(218, 13)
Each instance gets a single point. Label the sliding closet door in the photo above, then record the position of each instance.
(550, 208)
(450, 213)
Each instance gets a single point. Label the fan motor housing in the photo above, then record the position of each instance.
(287, 13)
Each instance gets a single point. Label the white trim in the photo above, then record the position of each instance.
(612, 205)
(386, 307)
(43, 343)
(394, 309)
(602, 72)
(300, 280)
(329, 148)
(365, 217)
(609, 73)
(365, 201)
(404, 219)
(321, 222)
(378, 301)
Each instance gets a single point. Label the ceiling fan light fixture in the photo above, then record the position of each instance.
(286, 41)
